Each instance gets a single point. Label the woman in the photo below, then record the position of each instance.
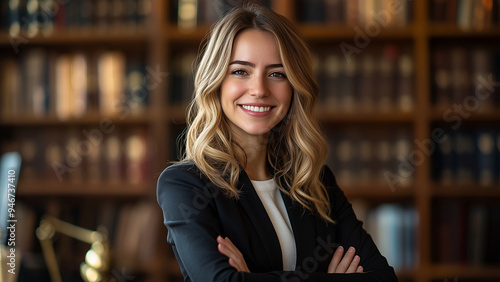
(252, 201)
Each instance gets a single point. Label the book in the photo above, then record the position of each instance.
(188, 14)
(11, 87)
(486, 162)
(441, 79)
(405, 91)
(477, 234)
(64, 93)
(111, 72)
(481, 70)
(136, 156)
(35, 93)
(459, 75)
(464, 154)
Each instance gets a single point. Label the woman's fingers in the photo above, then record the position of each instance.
(337, 256)
(354, 265)
(227, 248)
(345, 263)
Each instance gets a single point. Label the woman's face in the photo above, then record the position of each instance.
(255, 93)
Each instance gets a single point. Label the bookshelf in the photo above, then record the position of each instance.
(159, 42)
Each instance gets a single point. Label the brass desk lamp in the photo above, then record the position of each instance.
(97, 260)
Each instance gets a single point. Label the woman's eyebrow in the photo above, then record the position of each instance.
(245, 63)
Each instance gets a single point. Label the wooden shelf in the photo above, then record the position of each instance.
(34, 188)
(443, 271)
(486, 115)
(30, 120)
(379, 192)
(315, 32)
(440, 30)
(326, 115)
(466, 191)
(177, 36)
(82, 36)
(177, 114)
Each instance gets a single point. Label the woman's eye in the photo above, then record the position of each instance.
(278, 75)
(239, 72)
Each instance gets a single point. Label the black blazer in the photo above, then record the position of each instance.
(196, 211)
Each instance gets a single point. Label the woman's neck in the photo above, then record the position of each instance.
(255, 148)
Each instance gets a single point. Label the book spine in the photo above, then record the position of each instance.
(485, 157)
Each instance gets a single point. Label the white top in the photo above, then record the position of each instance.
(270, 197)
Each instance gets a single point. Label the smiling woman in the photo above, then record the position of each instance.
(252, 200)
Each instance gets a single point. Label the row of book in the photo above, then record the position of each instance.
(466, 232)
(379, 79)
(382, 13)
(99, 154)
(467, 157)
(462, 76)
(466, 14)
(28, 18)
(70, 85)
(131, 227)
(369, 156)
(188, 14)
(393, 228)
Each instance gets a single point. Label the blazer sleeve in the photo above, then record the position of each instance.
(193, 226)
(350, 232)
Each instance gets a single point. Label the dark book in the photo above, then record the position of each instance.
(75, 152)
(441, 78)
(136, 155)
(481, 72)
(113, 153)
(438, 10)
(136, 87)
(464, 154)
(477, 237)
(444, 160)
(367, 83)
(34, 74)
(485, 152)
(459, 75)
(11, 87)
(405, 89)
(144, 10)
(348, 84)
(465, 14)
(16, 13)
(311, 11)
(387, 73)
(334, 11)
(493, 244)
(329, 75)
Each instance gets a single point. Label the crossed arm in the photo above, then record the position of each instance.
(340, 263)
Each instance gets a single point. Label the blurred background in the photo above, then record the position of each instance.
(93, 96)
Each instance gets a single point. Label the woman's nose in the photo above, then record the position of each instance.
(258, 86)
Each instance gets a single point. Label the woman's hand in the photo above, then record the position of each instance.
(227, 248)
(348, 263)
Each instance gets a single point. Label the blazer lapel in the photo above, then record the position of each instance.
(253, 207)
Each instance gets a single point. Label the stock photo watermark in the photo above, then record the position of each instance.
(373, 28)
(94, 137)
(40, 19)
(322, 252)
(11, 221)
(454, 116)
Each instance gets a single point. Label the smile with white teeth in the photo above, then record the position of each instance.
(256, 109)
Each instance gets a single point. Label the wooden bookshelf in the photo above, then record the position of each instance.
(158, 41)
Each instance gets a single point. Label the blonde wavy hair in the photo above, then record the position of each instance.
(296, 148)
